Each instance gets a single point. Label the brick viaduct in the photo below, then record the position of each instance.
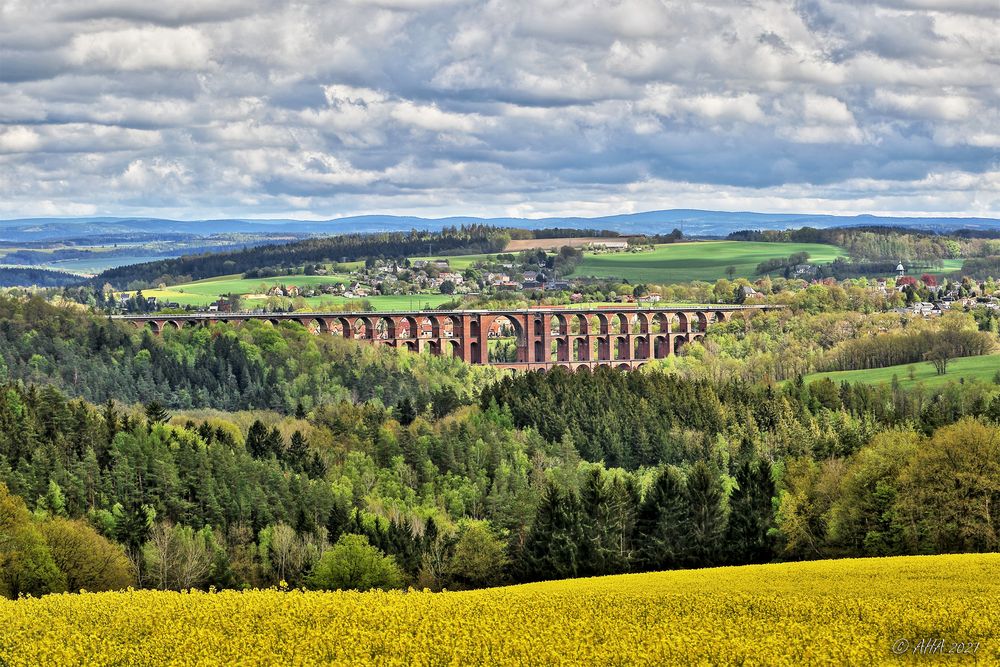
(545, 337)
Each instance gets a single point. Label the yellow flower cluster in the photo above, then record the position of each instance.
(865, 611)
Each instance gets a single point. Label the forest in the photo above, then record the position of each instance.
(14, 276)
(231, 368)
(255, 455)
(881, 244)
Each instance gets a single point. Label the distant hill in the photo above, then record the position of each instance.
(30, 277)
(94, 244)
(692, 222)
(344, 247)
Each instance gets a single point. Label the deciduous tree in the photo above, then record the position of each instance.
(26, 564)
(353, 564)
(88, 560)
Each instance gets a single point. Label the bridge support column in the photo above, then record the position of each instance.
(546, 338)
(473, 338)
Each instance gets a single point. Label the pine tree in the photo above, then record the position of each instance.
(111, 424)
(624, 513)
(552, 548)
(597, 549)
(338, 521)
(706, 517)
(275, 445)
(132, 526)
(751, 515)
(316, 468)
(298, 451)
(406, 412)
(156, 413)
(608, 507)
(663, 523)
(257, 440)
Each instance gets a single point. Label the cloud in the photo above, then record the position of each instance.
(145, 174)
(745, 107)
(931, 107)
(822, 134)
(430, 117)
(329, 107)
(18, 139)
(173, 13)
(139, 49)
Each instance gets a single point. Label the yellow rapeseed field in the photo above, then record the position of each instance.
(911, 610)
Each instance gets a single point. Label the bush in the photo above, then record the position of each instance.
(353, 564)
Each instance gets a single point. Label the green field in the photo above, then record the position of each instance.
(378, 302)
(982, 368)
(703, 260)
(950, 266)
(457, 262)
(237, 285)
(204, 292)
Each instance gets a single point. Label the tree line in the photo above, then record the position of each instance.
(908, 347)
(868, 244)
(22, 276)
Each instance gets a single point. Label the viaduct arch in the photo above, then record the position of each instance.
(621, 337)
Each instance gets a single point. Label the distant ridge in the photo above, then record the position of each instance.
(692, 222)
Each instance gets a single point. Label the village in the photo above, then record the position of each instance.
(538, 273)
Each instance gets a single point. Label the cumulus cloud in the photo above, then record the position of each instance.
(18, 139)
(319, 108)
(145, 174)
(932, 107)
(137, 49)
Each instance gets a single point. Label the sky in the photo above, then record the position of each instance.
(314, 109)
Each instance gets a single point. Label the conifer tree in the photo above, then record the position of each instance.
(405, 411)
(707, 521)
(552, 549)
(156, 413)
(257, 440)
(298, 451)
(751, 515)
(663, 523)
(275, 445)
(597, 550)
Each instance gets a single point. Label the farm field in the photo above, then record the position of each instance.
(947, 266)
(701, 260)
(455, 262)
(378, 302)
(982, 368)
(859, 611)
(552, 245)
(204, 292)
